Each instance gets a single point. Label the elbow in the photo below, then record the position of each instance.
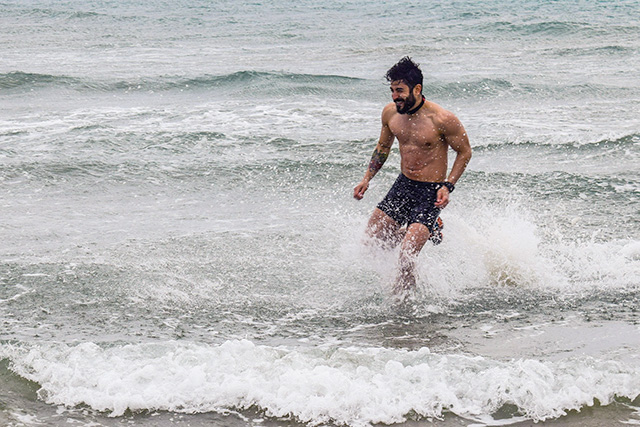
(467, 155)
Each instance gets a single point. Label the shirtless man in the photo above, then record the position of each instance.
(425, 131)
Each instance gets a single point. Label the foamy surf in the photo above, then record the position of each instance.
(350, 386)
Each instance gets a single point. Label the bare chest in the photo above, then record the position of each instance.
(419, 132)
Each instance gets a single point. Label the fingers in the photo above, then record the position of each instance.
(358, 192)
(442, 199)
(442, 202)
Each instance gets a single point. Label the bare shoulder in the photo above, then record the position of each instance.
(388, 112)
(444, 119)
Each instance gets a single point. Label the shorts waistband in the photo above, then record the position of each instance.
(419, 183)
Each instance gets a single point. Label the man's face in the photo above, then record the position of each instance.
(402, 96)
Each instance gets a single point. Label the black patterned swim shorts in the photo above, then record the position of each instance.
(410, 201)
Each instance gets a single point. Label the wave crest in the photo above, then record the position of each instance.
(264, 82)
(350, 386)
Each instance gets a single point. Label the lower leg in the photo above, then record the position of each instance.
(414, 240)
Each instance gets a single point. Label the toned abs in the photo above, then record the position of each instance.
(423, 149)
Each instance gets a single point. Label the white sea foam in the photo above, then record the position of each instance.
(631, 250)
(507, 244)
(354, 386)
(488, 246)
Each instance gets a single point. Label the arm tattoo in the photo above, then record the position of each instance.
(377, 160)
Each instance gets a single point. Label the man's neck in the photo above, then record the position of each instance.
(418, 107)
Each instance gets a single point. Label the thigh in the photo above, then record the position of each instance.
(382, 226)
(415, 238)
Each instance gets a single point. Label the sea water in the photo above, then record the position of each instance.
(179, 243)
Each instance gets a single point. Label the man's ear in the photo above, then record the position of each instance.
(417, 90)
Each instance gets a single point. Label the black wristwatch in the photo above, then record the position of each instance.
(449, 186)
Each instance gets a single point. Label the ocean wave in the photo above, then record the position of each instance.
(278, 84)
(253, 77)
(622, 142)
(350, 386)
(472, 88)
(254, 81)
(20, 79)
(515, 88)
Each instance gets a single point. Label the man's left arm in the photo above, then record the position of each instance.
(456, 137)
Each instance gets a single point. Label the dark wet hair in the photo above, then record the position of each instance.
(407, 71)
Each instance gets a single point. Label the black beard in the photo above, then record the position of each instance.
(409, 102)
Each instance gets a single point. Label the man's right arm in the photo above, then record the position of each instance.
(379, 156)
